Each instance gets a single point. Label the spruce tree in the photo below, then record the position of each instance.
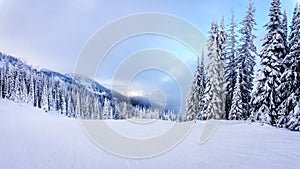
(202, 86)
(290, 80)
(265, 98)
(214, 109)
(237, 110)
(230, 64)
(284, 25)
(44, 97)
(194, 101)
(245, 61)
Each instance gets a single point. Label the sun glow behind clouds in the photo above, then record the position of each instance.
(134, 93)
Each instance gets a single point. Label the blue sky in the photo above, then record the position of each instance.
(50, 34)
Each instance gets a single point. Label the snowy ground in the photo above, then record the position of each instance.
(31, 138)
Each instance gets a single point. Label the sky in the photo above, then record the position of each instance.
(51, 34)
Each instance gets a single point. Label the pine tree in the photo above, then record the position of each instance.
(265, 97)
(17, 86)
(222, 41)
(97, 109)
(106, 109)
(230, 66)
(7, 75)
(30, 98)
(195, 99)
(3, 77)
(44, 100)
(236, 110)
(11, 82)
(215, 94)
(193, 103)
(50, 93)
(77, 102)
(246, 59)
(294, 119)
(202, 83)
(37, 91)
(284, 25)
(70, 106)
(20, 78)
(63, 101)
(290, 80)
(24, 89)
(124, 111)
(1, 82)
(222, 53)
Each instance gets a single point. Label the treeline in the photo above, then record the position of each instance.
(225, 89)
(67, 94)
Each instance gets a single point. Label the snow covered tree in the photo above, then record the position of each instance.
(77, 100)
(236, 110)
(194, 102)
(222, 52)
(294, 119)
(17, 86)
(215, 94)
(37, 91)
(290, 80)
(5, 89)
(44, 100)
(95, 113)
(55, 101)
(50, 92)
(245, 61)
(11, 82)
(124, 110)
(202, 82)
(70, 107)
(284, 25)
(63, 102)
(106, 109)
(222, 41)
(265, 98)
(1, 82)
(30, 98)
(86, 111)
(230, 63)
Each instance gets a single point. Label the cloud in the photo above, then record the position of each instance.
(134, 93)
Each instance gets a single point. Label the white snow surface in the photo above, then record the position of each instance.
(31, 138)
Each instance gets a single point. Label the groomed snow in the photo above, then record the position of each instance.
(31, 138)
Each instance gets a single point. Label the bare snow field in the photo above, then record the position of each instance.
(31, 138)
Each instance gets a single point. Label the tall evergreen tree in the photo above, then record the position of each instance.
(230, 64)
(222, 52)
(265, 97)
(17, 85)
(222, 41)
(63, 101)
(1, 82)
(246, 59)
(44, 97)
(214, 109)
(237, 110)
(202, 84)
(106, 109)
(194, 101)
(284, 25)
(31, 96)
(290, 80)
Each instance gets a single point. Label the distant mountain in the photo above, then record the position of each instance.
(70, 94)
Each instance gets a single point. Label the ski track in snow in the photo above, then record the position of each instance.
(31, 138)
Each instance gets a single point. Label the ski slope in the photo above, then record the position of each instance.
(31, 138)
